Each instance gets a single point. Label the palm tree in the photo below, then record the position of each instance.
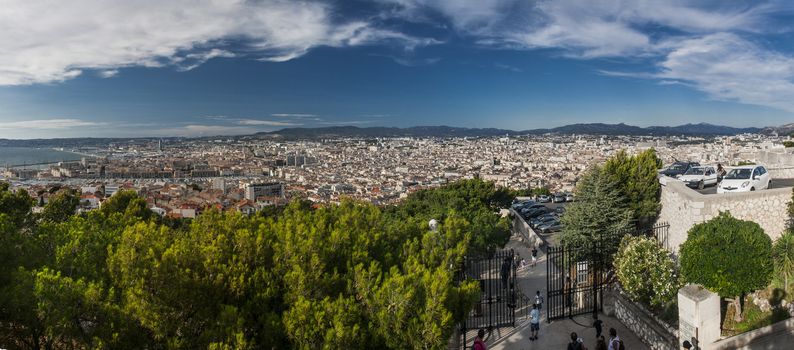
(783, 253)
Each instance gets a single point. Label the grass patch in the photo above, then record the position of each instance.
(753, 316)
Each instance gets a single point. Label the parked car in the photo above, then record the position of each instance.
(569, 197)
(744, 179)
(559, 210)
(551, 227)
(536, 212)
(558, 198)
(531, 207)
(678, 168)
(521, 204)
(544, 198)
(700, 177)
(542, 220)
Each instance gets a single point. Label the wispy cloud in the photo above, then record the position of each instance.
(265, 122)
(508, 67)
(44, 124)
(44, 43)
(294, 115)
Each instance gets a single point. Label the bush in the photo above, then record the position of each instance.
(783, 256)
(728, 256)
(646, 271)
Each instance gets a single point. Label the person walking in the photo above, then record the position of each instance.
(538, 300)
(597, 324)
(479, 341)
(534, 256)
(534, 322)
(614, 341)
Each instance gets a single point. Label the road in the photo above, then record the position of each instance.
(776, 183)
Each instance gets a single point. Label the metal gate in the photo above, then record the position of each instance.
(574, 280)
(497, 305)
(575, 276)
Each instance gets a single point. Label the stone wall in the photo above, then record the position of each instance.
(683, 207)
(526, 233)
(781, 172)
(650, 329)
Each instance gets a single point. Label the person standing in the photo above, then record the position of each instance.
(479, 341)
(534, 322)
(576, 343)
(614, 341)
(720, 173)
(538, 300)
(601, 343)
(505, 272)
(597, 324)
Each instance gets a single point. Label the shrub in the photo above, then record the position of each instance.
(728, 256)
(783, 256)
(646, 271)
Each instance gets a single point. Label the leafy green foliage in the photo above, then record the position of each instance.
(600, 214)
(728, 256)
(637, 177)
(61, 206)
(788, 144)
(646, 271)
(342, 276)
(783, 257)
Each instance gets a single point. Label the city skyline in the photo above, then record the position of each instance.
(215, 68)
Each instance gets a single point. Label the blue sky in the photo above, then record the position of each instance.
(191, 68)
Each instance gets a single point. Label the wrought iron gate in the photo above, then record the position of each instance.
(576, 276)
(497, 305)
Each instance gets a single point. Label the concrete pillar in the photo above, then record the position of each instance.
(698, 315)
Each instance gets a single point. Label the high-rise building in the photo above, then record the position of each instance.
(273, 189)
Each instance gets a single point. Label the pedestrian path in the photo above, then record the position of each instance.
(554, 335)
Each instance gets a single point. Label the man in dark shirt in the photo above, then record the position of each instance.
(597, 324)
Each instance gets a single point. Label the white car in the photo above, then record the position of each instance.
(699, 177)
(745, 179)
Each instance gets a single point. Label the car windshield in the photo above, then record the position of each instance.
(695, 171)
(739, 174)
(678, 166)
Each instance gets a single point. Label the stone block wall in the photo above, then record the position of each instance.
(527, 234)
(683, 207)
(651, 330)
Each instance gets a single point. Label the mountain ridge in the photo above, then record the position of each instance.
(701, 129)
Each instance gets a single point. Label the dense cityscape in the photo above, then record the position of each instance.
(182, 178)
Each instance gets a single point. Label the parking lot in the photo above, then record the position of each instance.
(776, 183)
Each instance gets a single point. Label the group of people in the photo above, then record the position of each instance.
(577, 343)
(614, 342)
(522, 263)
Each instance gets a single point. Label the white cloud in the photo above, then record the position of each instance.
(45, 124)
(730, 68)
(264, 122)
(293, 115)
(51, 41)
(108, 73)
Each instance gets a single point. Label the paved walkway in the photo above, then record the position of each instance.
(554, 335)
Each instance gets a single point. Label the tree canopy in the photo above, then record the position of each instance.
(352, 275)
(637, 177)
(728, 256)
(600, 214)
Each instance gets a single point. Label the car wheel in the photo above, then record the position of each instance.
(752, 188)
(701, 185)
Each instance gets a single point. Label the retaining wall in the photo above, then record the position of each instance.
(650, 329)
(683, 207)
(776, 336)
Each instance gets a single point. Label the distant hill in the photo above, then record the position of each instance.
(354, 131)
(787, 129)
(701, 129)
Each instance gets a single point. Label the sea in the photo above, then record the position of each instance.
(21, 155)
